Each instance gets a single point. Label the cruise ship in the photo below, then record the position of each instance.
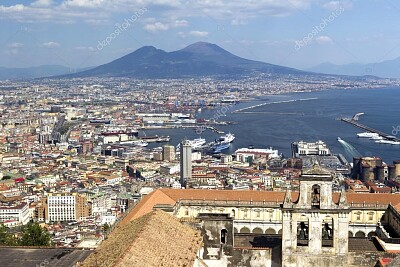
(367, 135)
(227, 138)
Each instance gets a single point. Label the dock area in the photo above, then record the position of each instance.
(355, 123)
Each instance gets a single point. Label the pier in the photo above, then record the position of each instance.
(355, 123)
(270, 103)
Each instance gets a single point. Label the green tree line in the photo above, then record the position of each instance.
(30, 235)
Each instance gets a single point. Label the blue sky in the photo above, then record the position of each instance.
(295, 33)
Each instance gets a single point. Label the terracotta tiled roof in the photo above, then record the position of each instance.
(397, 207)
(147, 203)
(177, 194)
(156, 239)
(369, 198)
(169, 196)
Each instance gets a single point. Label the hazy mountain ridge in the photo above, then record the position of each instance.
(385, 69)
(34, 72)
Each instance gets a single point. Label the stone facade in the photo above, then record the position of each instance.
(315, 230)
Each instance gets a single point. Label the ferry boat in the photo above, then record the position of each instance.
(141, 143)
(227, 138)
(195, 143)
(219, 146)
(367, 135)
(163, 139)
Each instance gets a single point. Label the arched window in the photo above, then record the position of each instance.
(302, 231)
(315, 196)
(233, 213)
(327, 232)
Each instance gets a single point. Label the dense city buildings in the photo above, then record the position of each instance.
(83, 157)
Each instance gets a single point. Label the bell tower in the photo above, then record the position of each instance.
(315, 228)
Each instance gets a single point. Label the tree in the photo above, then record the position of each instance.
(34, 235)
(7, 238)
(106, 227)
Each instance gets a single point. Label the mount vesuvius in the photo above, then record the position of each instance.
(196, 60)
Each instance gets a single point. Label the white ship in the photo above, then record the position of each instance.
(388, 142)
(367, 135)
(378, 137)
(227, 138)
(195, 143)
(140, 143)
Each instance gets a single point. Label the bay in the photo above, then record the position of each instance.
(310, 116)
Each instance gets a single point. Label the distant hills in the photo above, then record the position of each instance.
(34, 72)
(195, 60)
(385, 69)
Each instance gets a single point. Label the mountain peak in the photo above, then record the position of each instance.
(146, 50)
(196, 60)
(205, 48)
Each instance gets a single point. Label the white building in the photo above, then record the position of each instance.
(250, 154)
(61, 208)
(196, 155)
(101, 203)
(169, 168)
(15, 214)
(304, 149)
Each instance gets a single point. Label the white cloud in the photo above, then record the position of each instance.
(238, 21)
(180, 23)
(198, 33)
(237, 11)
(85, 48)
(155, 27)
(85, 3)
(15, 45)
(323, 39)
(13, 48)
(335, 5)
(50, 44)
(42, 3)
